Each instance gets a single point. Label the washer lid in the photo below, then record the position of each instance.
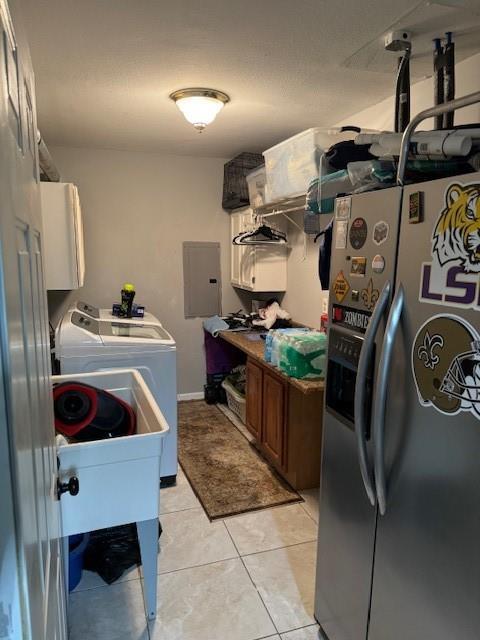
(137, 331)
(121, 333)
(106, 314)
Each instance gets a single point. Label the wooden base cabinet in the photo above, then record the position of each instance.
(286, 425)
(274, 436)
(254, 393)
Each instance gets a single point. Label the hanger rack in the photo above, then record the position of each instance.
(285, 208)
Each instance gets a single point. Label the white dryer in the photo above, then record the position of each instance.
(106, 314)
(84, 344)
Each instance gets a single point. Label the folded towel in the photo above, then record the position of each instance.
(214, 325)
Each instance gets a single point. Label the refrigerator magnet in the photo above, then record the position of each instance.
(358, 233)
(370, 295)
(341, 234)
(343, 207)
(445, 364)
(340, 287)
(378, 263)
(380, 232)
(415, 207)
(358, 266)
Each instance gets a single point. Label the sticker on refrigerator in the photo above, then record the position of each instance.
(378, 263)
(370, 295)
(341, 234)
(358, 266)
(451, 278)
(380, 232)
(343, 207)
(415, 207)
(340, 287)
(446, 365)
(352, 318)
(358, 233)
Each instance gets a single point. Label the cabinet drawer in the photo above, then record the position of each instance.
(118, 478)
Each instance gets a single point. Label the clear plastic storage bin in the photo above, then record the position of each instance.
(256, 181)
(293, 163)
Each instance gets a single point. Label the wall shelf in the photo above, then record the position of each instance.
(285, 206)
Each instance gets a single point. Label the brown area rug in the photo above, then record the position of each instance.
(225, 471)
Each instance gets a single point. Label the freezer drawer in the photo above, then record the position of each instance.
(118, 478)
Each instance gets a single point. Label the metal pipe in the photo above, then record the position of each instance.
(440, 109)
(449, 78)
(402, 93)
(438, 79)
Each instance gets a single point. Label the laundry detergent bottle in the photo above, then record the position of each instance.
(128, 294)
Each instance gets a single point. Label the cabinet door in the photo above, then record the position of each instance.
(247, 256)
(247, 268)
(235, 255)
(79, 241)
(274, 418)
(254, 399)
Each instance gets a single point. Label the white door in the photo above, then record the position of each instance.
(235, 251)
(247, 258)
(79, 242)
(31, 597)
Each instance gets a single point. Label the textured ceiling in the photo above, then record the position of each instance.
(104, 68)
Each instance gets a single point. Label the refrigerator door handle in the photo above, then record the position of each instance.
(360, 390)
(381, 397)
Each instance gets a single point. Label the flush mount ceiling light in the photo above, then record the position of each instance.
(200, 106)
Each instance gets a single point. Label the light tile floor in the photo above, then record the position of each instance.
(247, 577)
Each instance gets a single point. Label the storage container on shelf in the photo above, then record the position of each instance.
(256, 181)
(235, 188)
(293, 163)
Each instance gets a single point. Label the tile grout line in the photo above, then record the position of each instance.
(287, 546)
(308, 514)
(167, 513)
(196, 566)
(260, 596)
(252, 581)
(102, 586)
(306, 626)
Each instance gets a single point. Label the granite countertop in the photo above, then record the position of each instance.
(255, 349)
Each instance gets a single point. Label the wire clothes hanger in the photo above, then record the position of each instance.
(259, 236)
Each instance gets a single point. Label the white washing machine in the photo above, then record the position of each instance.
(84, 344)
(106, 314)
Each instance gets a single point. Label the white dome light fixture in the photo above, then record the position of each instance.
(200, 106)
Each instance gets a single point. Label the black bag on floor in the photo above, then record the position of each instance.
(110, 552)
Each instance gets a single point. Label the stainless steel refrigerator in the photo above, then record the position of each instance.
(399, 526)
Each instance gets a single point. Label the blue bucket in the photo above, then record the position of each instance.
(76, 546)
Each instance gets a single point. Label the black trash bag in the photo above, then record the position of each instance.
(325, 255)
(110, 552)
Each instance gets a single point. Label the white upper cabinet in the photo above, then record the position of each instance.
(256, 268)
(64, 253)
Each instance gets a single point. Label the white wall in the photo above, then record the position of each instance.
(138, 208)
(304, 295)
